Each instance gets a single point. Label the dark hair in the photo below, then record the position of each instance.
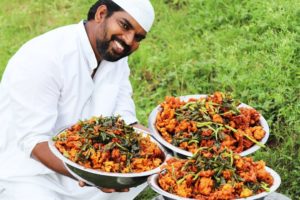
(111, 8)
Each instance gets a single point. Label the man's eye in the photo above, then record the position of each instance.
(124, 26)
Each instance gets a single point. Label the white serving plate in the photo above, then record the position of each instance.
(180, 152)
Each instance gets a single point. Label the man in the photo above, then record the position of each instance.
(58, 78)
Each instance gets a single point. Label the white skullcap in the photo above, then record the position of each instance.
(141, 10)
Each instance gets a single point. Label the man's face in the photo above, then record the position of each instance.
(118, 36)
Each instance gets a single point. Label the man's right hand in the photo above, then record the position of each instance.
(42, 153)
(106, 190)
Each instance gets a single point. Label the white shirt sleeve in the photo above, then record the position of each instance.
(125, 106)
(34, 94)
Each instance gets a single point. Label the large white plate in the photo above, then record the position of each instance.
(153, 183)
(177, 150)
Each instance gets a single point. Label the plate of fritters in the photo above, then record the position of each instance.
(215, 174)
(105, 152)
(184, 124)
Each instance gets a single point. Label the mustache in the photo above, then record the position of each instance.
(125, 46)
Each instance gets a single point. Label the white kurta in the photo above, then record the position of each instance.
(46, 86)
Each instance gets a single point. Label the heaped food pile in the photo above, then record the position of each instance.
(108, 144)
(214, 120)
(215, 174)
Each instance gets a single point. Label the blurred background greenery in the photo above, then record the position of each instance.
(248, 47)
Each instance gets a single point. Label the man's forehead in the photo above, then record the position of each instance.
(141, 10)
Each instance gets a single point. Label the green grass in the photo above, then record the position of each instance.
(250, 48)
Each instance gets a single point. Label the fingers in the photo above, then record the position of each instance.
(123, 190)
(106, 190)
(110, 190)
(81, 183)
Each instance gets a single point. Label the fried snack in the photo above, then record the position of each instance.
(108, 144)
(213, 174)
(214, 120)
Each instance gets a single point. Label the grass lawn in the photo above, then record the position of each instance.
(250, 48)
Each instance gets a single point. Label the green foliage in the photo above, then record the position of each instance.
(176, 4)
(250, 48)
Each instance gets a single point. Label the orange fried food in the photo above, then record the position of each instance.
(204, 186)
(215, 120)
(215, 174)
(108, 144)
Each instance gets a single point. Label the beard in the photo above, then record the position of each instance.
(107, 53)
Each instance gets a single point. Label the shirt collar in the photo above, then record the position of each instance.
(87, 49)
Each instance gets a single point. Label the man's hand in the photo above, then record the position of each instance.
(106, 190)
(42, 153)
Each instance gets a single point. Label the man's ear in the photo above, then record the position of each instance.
(101, 13)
